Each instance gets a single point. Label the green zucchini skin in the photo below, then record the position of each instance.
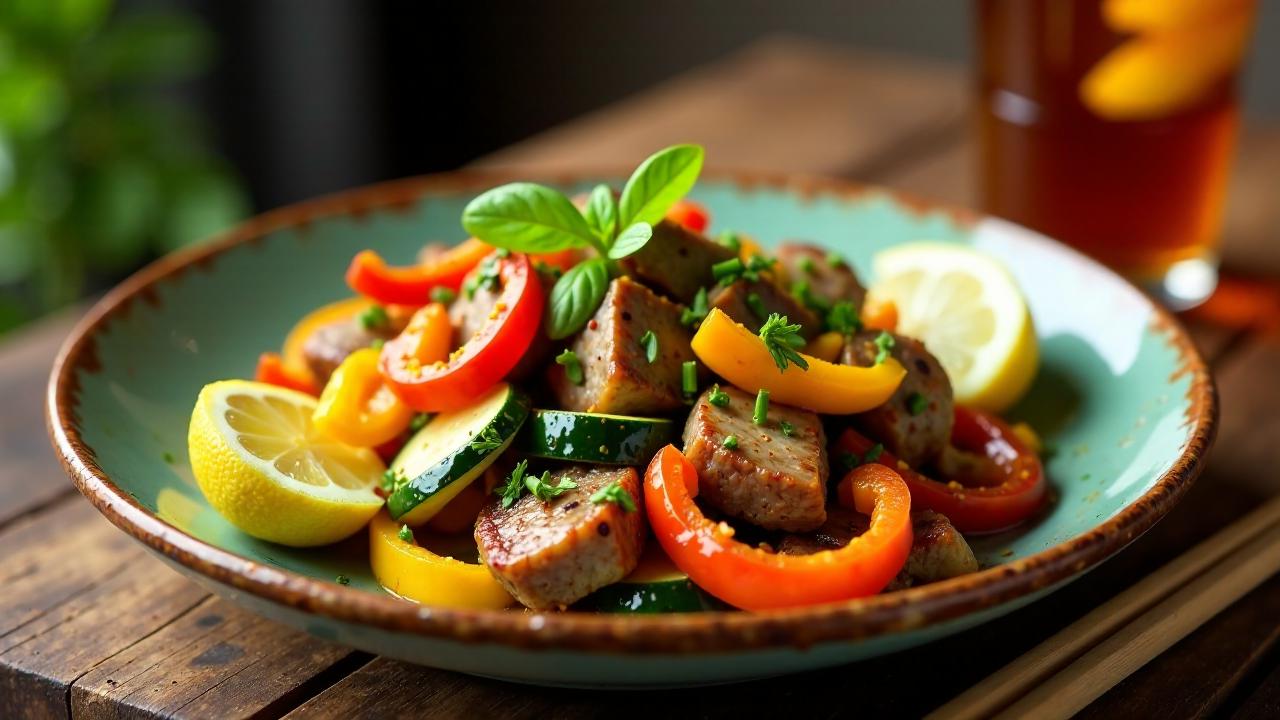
(459, 467)
(663, 596)
(594, 438)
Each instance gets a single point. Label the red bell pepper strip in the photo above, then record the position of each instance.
(483, 360)
(272, 370)
(370, 275)
(974, 505)
(689, 214)
(753, 579)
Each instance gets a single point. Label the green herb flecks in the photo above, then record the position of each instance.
(849, 460)
(788, 429)
(834, 260)
(443, 295)
(697, 312)
(917, 403)
(487, 441)
(873, 453)
(572, 367)
(718, 397)
(843, 318)
(649, 342)
(727, 271)
(485, 276)
(729, 239)
(689, 378)
(405, 534)
(756, 305)
(783, 341)
(801, 291)
(374, 318)
(730, 442)
(761, 413)
(615, 494)
(342, 580)
(418, 421)
(807, 266)
(884, 345)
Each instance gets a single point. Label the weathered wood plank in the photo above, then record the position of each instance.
(1263, 701)
(782, 104)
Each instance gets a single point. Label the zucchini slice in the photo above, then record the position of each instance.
(655, 586)
(594, 438)
(451, 451)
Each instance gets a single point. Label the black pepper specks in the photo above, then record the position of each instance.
(603, 529)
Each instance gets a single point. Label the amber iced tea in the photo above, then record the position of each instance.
(1111, 125)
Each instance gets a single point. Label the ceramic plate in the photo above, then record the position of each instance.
(1122, 397)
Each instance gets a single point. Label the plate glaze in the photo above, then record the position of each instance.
(1122, 396)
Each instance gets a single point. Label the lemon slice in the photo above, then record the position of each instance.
(263, 467)
(967, 310)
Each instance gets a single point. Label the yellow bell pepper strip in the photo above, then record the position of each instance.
(738, 355)
(826, 346)
(357, 407)
(751, 578)
(415, 573)
(295, 360)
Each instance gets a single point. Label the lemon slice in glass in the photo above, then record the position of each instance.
(263, 467)
(967, 310)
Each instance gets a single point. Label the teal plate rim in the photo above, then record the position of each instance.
(710, 632)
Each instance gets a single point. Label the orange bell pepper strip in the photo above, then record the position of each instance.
(738, 355)
(973, 505)
(880, 315)
(416, 573)
(753, 579)
(357, 407)
(273, 371)
(370, 275)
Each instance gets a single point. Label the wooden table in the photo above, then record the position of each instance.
(90, 626)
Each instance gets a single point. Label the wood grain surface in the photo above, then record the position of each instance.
(92, 626)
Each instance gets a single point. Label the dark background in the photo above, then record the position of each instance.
(310, 96)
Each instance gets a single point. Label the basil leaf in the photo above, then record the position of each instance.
(527, 217)
(575, 297)
(658, 183)
(602, 212)
(631, 240)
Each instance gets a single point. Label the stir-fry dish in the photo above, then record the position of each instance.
(594, 404)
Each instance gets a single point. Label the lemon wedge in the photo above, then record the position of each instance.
(967, 310)
(263, 467)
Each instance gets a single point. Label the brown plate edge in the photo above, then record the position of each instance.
(909, 609)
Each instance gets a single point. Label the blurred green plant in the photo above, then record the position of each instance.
(102, 165)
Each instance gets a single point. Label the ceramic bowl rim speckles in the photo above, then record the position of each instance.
(714, 632)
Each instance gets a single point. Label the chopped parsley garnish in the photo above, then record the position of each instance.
(718, 397)
(405, 534)
(572, 366)
(756, 306)
(486, 277)
(539, 486)
(843, 318)
(761, 414)
(487, 441)
(513, 488)
(807, 266)
(342, 580)
(550, 271)
(873, 453)
(729, 239)
(848, 460)
(834, 260)
(787, 428)
(443, 295)
(377, 343)
(783, 341)
(884, 343)
(697, 312)
(649, 342)
(734, 269)
(387, 481)
(419, 421)
(730, 442)
(615, 494)
(374, 317)
(689, 377)
(801, 291)
(916, 403)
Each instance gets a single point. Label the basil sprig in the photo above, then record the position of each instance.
(532, 218)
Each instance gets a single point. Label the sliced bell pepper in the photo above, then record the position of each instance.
(974, 505)
(415, 573)
(826, 346)
(484, 359)
(738, 355)
(880, 315)
(689, 214)
(370, 275)
(273, 371)
(294, 357)
(357, 407)
(753, 579)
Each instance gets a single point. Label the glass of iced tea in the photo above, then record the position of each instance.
(1111, 125)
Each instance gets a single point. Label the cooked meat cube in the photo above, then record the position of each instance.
(938, 550)
(735, 300)
(470, 314)
(801, 261)
(618, 377)
(676, 261)
(915, 424)
(767, 478)
(551, 554)
(330, 344)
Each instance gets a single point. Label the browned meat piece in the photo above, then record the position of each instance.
(618, 376)
(330, 344)
(552, 554)
(915, 437)
(676, 261)
(938, 550)
(469, 315)
(769, 479)
(808, 263)
(735, 301)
